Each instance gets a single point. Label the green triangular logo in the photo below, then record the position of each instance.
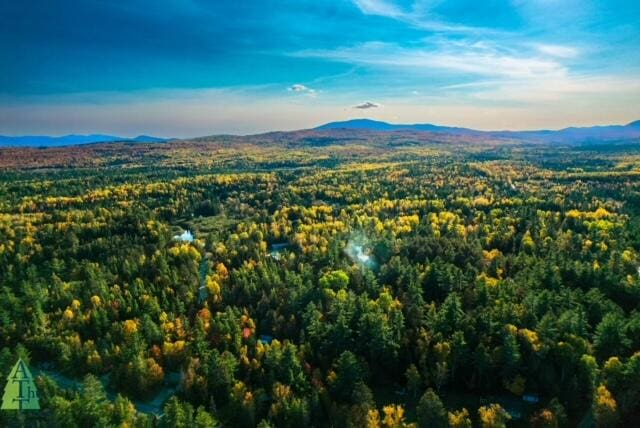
(20, 392)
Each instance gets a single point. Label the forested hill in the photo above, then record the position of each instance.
(346, 278)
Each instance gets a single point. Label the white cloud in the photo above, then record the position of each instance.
(367, 105)
(297, 87)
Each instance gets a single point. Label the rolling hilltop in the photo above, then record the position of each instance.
(361, 139)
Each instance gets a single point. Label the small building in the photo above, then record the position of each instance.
(531, 398)
(186, 236)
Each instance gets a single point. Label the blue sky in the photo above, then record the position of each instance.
(194, 67)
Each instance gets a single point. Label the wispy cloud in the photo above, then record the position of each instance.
(367, 105)
(555, 90)
(558, 50)
(475, 59)
(380, 7)
(418, 15)
(486, 71)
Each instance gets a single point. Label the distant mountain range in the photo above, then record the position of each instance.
(71, 140)
(566, 135)
(572, 135)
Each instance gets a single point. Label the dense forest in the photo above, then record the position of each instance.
(323, 279)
